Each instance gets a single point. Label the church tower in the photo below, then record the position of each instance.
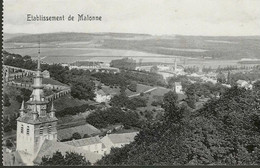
(35, 124)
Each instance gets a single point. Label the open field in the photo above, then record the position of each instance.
(198, 50)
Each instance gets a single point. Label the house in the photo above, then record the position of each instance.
(92, 144)
(178, 87)
(245, 84)
(117, 140)
(242, 83)
(101, 96)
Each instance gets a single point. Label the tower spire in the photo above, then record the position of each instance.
(22, 109)
(39, 53)
(35, 112)
(52, 111)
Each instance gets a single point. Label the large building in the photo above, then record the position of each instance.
(34, 124)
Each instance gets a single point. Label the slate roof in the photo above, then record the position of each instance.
(82, 130)
(122, 138)
(84, 141)
(49, 147)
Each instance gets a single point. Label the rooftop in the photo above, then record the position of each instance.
(28, 118)
(82, 130)
(49, 147)
(84, 141)
(122, 138)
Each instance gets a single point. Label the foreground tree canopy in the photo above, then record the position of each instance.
(70, 158)
(225, 132)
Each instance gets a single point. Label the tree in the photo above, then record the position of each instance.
(170, 105)
(133, 86)
(76, 135)
(191, 96)
(70, 158)
(256, 85)
(6, 100)
(9, 144)
(224, 132)
(221, 78)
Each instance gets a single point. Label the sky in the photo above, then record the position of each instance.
(156, 17)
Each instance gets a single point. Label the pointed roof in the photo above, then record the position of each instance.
(38, 61)
(22, 106)
(84, 141)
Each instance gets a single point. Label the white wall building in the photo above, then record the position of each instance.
(117, 140)
(92, 144)
(101, 96)
(178, 87)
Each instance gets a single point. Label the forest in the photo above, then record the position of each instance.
(226, 131)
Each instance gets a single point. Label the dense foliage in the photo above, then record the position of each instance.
(82, 87)
(24, 96)
(6, 100)
(74, 110)
(113, 115)
(124, 63)
(147, 78)
(9, 123)
(224, 132)
(111, 79)
(19, 61)
(122, 100)
(70, 158)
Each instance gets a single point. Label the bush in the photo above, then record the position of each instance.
(6, 100)
(113, 115)
(76, 135)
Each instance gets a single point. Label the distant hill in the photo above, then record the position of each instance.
(67, 37)
(12, 35)
(214, 47)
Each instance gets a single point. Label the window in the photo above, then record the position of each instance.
(22, 129)
(41, 130)
(49, 129)
(28, 130)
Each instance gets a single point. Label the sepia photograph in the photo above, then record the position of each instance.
(130, 83)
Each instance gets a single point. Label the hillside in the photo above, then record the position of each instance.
(67, 37)
(224, 132)
(101, 44)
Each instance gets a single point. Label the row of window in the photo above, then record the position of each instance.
(41, 129)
